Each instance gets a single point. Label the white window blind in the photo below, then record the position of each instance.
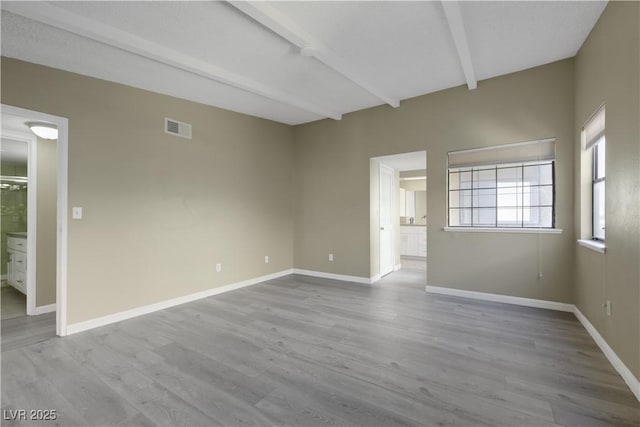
(544, 149)
(594, 129)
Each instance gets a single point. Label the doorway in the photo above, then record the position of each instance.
(34, 186)
(17, 194)
(399, 214)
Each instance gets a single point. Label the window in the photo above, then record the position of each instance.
(510, 186)
(596, 142)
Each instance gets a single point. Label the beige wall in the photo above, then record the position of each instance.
(332, 169)
(46, 205)
(161, 211)
(606, 71)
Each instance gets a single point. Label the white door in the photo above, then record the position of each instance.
(386, 218)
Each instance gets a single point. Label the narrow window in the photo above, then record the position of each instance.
(595, 139)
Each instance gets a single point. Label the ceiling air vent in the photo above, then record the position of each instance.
(177, 128)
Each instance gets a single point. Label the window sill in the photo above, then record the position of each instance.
(594, 245)
(504, 230)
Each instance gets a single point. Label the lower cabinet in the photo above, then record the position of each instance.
(413, 240)
(17, 263)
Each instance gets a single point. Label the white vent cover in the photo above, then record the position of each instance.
(177, 128)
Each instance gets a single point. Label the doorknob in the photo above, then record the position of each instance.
(381, 228)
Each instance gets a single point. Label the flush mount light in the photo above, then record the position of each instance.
(43, 130)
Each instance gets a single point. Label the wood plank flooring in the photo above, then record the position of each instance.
(301, 351)
(25, 330)
(13, 303)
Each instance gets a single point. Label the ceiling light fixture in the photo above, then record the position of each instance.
(43, 130)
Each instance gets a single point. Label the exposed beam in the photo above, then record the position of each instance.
(456, 26)
(280, 24)
(89, 28)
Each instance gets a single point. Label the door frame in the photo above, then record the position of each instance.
(62, 220)
(391, 230)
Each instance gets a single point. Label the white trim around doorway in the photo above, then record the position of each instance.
(62, 225)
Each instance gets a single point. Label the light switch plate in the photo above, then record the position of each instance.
(76, 213)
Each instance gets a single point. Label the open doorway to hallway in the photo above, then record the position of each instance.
(398, 229)
(30, 156)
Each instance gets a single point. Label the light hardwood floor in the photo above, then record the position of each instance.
(303, 351)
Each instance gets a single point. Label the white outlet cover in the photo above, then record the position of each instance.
(330, 257)
(266, 259)
(76, 213)
(218, 268)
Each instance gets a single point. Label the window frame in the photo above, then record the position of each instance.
(597, 148)
(496, 227)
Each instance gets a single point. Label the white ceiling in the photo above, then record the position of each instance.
(364, 53)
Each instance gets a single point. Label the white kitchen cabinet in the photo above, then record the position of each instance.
(17, 263)
(413, 240)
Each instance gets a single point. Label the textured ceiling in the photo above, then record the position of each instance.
(403, 49)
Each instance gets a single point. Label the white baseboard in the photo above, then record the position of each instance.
(613, 358)
(375, 278)
(397, 267)
(43, 309)
(619, 366)
(139, 311)
(343, 277)
(528, 302)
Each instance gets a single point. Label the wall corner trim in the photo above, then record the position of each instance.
(146, 309)
(528, 302)
(618, 364)
(632, 382)
(43, 309)
(342, 277)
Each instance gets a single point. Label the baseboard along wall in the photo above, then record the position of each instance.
(619, 366)
(146, 309)
(44, 309)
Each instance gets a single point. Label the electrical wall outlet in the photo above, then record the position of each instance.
(330, 257)
(539, 275)
(218, 268)
(608, 306)
(266, 259)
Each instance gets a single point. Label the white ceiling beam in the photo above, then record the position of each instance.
(280, 24)
(456, 26)
(89, 28)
